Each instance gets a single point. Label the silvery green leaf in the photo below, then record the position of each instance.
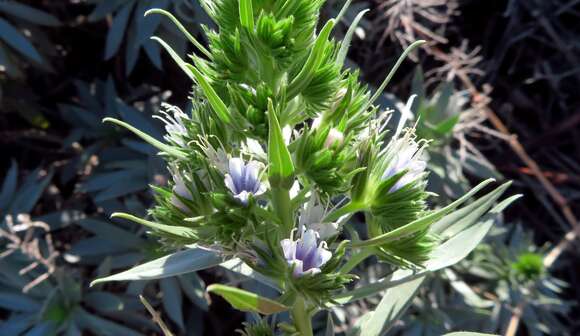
(461, 244)
(393, 304)
(101, 326)
(172, 300)
(28, 13)
(117, 30)
(181, 231)
(12, 37)
(450, 252)
(345, 44)
(329, 325)
(104, 302)
(238, 266)
(190, 260)
(194, 288)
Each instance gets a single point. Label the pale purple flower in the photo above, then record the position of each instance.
(407, 156)
(181, 190)
(243, 179)
(304, 254)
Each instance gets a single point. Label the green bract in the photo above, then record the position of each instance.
(280, 148)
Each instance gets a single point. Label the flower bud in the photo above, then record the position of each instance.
(334, 138)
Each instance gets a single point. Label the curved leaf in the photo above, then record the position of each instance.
(190, 260)
(16, 40)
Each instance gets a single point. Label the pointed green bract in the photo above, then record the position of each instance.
(281, 167)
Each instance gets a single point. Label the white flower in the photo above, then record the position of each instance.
(216, 157)
(174, 123)
(334, 137)
(312, 217)
(405, 154)
(180, 189)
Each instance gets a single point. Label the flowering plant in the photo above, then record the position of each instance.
(282, 146)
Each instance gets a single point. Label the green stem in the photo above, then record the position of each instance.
(356, 259)
(301, 317)
(348, 208)
(282, 207)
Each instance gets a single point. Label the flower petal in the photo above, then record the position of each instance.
(289, 249)
(236, 169)
(229, 182)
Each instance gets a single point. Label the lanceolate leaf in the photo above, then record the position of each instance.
(423, 222)
(216, 102)
(28, 13)
(190, 260)
(387, 79)
(238, 266)
(281, 166)
(179, 26)
(447, 254)
(149, 139)
(247, 301)
(312, 63)
(247, 14)
(393, 304)
(12, 37)
(117, 30)
(345, 44)
(181, 231)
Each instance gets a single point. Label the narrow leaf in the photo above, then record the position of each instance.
(190, 260)
(247, 301)
(394, 69)
(16, 40)
(181, 63)
(393, 304)
(28, 13)
(149, 139)
(426, 220)
(117, 30)
(312, 63)
(215, 101)
(180, 26)
(247, 14)
(181, 231)
(345, 44)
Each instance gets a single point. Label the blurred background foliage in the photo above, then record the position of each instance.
(496, 94)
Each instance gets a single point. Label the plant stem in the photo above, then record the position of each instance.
(356, 259)
(301, 317)
(282, 207)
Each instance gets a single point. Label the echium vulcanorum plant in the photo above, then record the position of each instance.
(281, 148)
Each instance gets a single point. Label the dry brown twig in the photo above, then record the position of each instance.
(481, 102)
(461, 63)
(30, 245)
(155, 316)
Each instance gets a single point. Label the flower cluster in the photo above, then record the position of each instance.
(281, 141)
